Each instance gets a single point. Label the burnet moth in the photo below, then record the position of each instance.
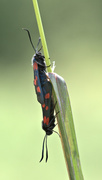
(43, 88)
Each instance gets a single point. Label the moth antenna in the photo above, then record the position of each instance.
(40, 49)
(38, 43)
(46, 150)
(30, 38)
(43, 150)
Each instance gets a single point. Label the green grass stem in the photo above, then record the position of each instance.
(42, 35)
(64, 117)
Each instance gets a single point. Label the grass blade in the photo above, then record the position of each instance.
(66, 127)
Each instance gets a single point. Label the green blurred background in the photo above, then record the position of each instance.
(73, 32)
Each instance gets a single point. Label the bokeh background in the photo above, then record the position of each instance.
(73, 32)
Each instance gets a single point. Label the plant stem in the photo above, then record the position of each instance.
(65, 119)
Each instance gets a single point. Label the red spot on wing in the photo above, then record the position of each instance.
(35, 66)
(47, 108)
(46, 120)
(47, 96)
(38, 89)
(43, 105)
(35, 80)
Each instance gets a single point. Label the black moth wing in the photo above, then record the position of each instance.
(37, 84)
(46, 107)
